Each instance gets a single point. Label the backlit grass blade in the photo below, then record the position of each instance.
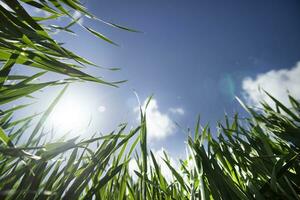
(99, 35)
(4, 138)
(46, 114)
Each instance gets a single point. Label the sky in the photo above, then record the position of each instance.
(193, 56)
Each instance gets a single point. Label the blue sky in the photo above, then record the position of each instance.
(194, 56)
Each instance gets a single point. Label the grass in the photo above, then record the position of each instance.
(250, 158)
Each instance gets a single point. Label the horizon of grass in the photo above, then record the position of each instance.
(250, 158)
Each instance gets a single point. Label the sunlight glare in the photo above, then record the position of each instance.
(70, 114)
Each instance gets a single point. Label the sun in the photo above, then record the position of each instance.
(70, 114)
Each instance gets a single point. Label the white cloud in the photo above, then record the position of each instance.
(179, 111)
(159, 125)
(275, 82)
(133, 166)
(159, 157)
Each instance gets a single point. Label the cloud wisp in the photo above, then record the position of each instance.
(278, 83)
(178, 111)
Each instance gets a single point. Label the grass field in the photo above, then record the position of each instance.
(249, 158)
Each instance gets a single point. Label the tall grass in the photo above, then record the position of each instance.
(26, 39)
(249, 158)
